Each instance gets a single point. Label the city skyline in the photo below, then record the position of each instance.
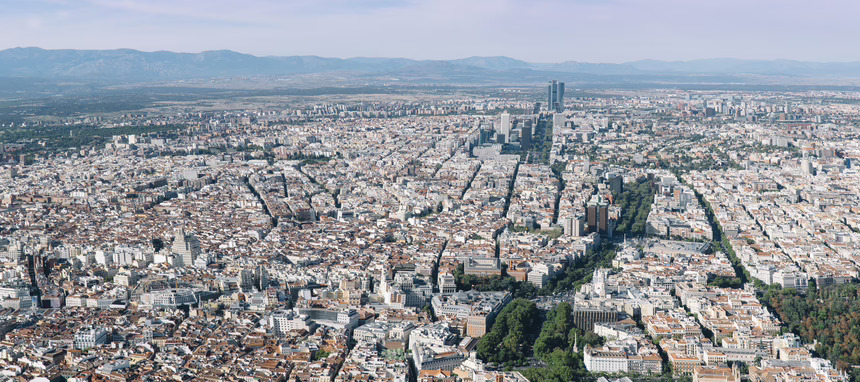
(429, 191)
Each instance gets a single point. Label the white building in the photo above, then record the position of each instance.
(286, 320)
(169, 298)
(88, 338)
(434, 348)
(447, 284)
(186, 247)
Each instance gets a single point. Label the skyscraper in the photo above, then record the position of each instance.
(603, 217)
(592, 215)
(555, 96)
(526, 136)
(505, 127)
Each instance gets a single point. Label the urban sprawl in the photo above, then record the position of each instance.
(615, 236)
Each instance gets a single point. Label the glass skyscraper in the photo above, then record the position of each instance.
(555, 96)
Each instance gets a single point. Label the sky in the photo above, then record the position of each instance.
(532, 30)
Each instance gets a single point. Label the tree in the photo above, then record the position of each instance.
(503, 282)
(554, 334)
(581, 270)
(510, 338)
(635, 203)
(157, 244)
(727, 282)
(562, 366)
(830, 315)
(320, 354)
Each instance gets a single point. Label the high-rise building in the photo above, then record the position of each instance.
(262, 277)
(186, 247)
(616, 183)
(573, 225)
(566, 225)
(591, 213)
(603, 219)
(557, 123)
(526, 137)
(578, 226)
(505, 127)
(598, 218)
(555, 96)
(256, 279)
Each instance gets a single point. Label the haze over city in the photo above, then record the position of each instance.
(548, 31)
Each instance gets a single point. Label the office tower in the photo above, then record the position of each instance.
(555, 96)
(557, 123)
(186, 247)
(591, 212)
(598, 218)
(262, 278)
(578, 226)
(710, 112)
(603, 216)
(505, 127)
(526, 137)
(573, 225)
(566, 225)
(616, 183)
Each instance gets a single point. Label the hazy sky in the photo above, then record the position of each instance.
(531, 30)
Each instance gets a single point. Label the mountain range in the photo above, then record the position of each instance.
(126, 65)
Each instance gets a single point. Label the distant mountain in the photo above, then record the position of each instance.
(493, 63)
(586, 67)
(132, 65)
(126, 65)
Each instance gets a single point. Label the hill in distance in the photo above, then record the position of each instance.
(132, 66)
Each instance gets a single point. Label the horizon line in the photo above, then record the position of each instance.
(437, 59)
